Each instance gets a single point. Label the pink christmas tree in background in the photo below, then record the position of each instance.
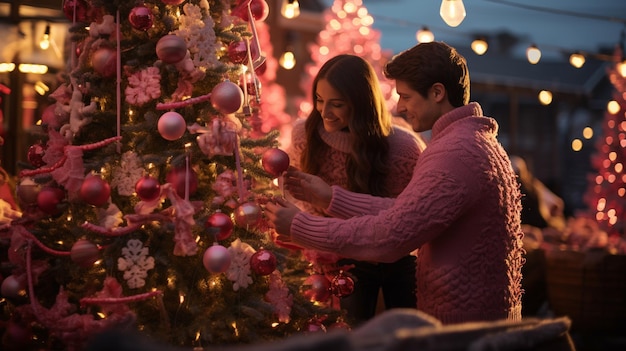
(348, 30)
(606, 194)
(141, 206)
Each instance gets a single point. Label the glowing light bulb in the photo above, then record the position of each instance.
(424, 35)
(577, 60)
(533, 54)
(287, 60)
(452, 12)
(480, 46)
(545, 97)
(44, 43)
(290, 9)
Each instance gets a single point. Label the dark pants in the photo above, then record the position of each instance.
(397, 281)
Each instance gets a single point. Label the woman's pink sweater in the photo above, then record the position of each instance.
(461, 209)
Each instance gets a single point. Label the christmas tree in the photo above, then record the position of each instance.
(606, 194)
(348, 30)
(142, 204)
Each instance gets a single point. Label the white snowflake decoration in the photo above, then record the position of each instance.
(126, 175)
(136, 263)
(197, 30)
(239, 270)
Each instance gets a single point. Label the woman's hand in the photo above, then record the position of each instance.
(280, 214)
(307, 187)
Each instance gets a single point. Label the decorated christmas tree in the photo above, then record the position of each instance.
(348, 30)
(606, 194)
(142, 204)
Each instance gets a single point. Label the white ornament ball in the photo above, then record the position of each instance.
(171, 125)
(216, 259)
(171, 49)
(227, 97)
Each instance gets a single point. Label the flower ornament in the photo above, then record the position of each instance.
(239, 270)
(143, 86)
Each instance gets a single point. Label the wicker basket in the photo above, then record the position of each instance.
(590, 288)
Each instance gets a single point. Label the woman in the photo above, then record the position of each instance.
(348, 140)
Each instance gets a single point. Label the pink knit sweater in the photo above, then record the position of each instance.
(404, 150)
(461, 209)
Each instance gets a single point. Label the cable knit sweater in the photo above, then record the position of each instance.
(461, 209)
(404, 150)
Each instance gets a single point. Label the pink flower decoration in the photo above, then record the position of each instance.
(143, 86)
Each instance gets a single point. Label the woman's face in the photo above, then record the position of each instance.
(333, 108)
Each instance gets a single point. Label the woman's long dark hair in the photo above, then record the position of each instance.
(370, 124)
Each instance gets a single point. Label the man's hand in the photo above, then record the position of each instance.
(307, 187)
(280, 214)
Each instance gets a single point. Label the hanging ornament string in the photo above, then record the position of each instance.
(239, 170)
(253, 78)
(119, 78)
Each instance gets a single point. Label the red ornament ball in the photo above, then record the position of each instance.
(260, 69)
(84, 253)
(263, 262)
(95, 190)
(76, 9)
(49, 199)
(172, 2)
(238, 52)
(315, 326)
(317, 288)
(27, 191)
(171, 49)
(260, 10)
(141, 18)
(275, 161)
(342, 285)
(227, 97)
(219, 225)
(171, 125)
(104, 61)
(12, 288)
(216, 259)
(148, 188)
(248, 214)
(35, 154)
(176, 177)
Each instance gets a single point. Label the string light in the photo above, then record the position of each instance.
(44, 43)
(577, 60)
(290, 9)
(533, 54)
(621, 68)
(545, 97)
(424, 35)
(287, 60)
(452, 12)
(480, 46)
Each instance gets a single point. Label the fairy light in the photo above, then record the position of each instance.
(533, 54)
(577, 145)
(577, 60)
(290, 9)
(545, 97)
(452, 12)
(613, 107)
(588, 133)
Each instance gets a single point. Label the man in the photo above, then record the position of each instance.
(461, 209)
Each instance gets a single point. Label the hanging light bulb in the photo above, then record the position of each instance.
(290, 9)
(480, 46)
(287, 60)
(533, 54)
(44, 43)
(424, 35)
(577, 60)
(452, 12)
(545, 97)
(621, 68)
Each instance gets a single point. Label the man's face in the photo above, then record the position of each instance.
(420, 112)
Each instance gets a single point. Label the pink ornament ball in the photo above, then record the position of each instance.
(84, 253)
(227, 97)
(263, 262)
(148, 188)
(219, 225)
(27, 191)
(317, 288)
(12, 288)
(141, 18)
(95, 190)
(275, 161)
(171, 49)
(216, 259)
(176, 177)
(171, 126)
(172, 2)
(342, 285)
(75, 9)
(49, 200)
(104, 62)
(248, 214)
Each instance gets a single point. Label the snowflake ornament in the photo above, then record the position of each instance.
(280, 297)
(239, 270)
(196, 27)
(143, 86)
(126, 175)
(136, 263)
